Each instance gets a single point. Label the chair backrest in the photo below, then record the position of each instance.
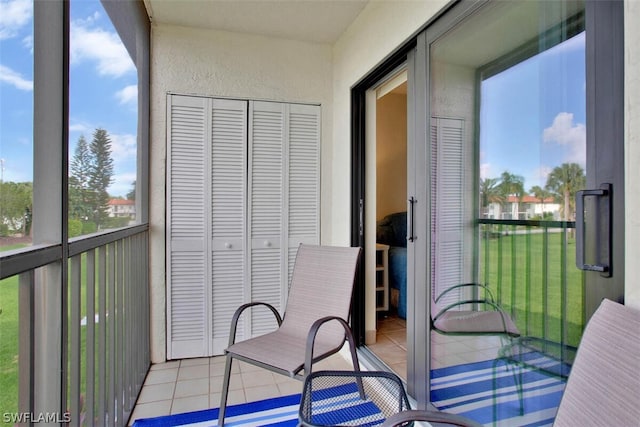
(604, 383)
(321, 285)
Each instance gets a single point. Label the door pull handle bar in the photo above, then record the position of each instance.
(412, 202)
(603, 266)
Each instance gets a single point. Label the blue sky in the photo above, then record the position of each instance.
(103, 89)
(533, 115)
(528, 125)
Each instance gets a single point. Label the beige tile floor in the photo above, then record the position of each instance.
(446, 350)
(195, 384)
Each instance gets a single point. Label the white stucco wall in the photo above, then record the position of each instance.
(246, 66)
(632, 152)
(224, 64)
(379, 29)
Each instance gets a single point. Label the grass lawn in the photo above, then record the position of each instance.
(9, 345)
(9, 336)
(534, 275)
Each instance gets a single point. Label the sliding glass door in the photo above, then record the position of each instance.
(514, 162)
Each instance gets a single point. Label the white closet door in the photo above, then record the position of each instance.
(228, 213)
(303, 180)
(266, 216)
(187, 227)
(243, 193)
(448, 209)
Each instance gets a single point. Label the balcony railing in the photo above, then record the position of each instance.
(100, 329)
(530, 265)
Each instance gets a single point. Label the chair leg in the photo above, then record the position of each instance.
(356, 364)
(521, 389)
(354, 355)
(225, 390)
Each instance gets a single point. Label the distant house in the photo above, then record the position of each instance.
(525, 208)
(120, 208)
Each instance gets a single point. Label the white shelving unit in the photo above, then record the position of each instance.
(382, 277)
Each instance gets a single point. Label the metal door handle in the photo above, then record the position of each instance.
(602, 265)
(361, 217)
(411, 237)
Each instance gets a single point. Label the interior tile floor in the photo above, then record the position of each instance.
(195, 384)
(446, 350)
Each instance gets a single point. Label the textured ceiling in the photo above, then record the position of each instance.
(321, 21)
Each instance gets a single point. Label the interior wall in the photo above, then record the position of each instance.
(225, 64)
(380, 28)
(391, 154)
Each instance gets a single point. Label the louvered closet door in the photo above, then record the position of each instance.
(243, 193)
(187, 227)
(303, 195)
(447, 205)
(267, 134)
(228, 213)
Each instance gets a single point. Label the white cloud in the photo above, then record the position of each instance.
(7, 75)
(123, 147)
(485, 170)
(90, 43)
(122, 184)
(128, 95)
(540, 175)
(27, 42)
(80, 127)
(563, 131)
(14, 14)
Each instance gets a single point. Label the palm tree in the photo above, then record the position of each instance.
(541, 194)
(512, 185)
(563, 182)
(489, 193)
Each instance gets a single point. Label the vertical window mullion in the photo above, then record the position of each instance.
(50, 147)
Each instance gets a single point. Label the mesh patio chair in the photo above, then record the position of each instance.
(490, 320)
(604, 384)
(433, 418)
(314, 325)
(477, 315)
(365, 398)
(346, 398)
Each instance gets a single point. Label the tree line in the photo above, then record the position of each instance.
(91, 173)
(562, 184)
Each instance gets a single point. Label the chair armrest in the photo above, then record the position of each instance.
(485, 288)
(311, 338)
(470, 301)
(240, 310)
(401, 418)
(497, 309)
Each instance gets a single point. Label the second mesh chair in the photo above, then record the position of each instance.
(314, 325)
(488, 319)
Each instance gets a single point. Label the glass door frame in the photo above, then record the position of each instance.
(605, 142)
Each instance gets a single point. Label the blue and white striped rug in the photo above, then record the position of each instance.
(462, 389)
(279, 411)
(487, 392)
(336, 405)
